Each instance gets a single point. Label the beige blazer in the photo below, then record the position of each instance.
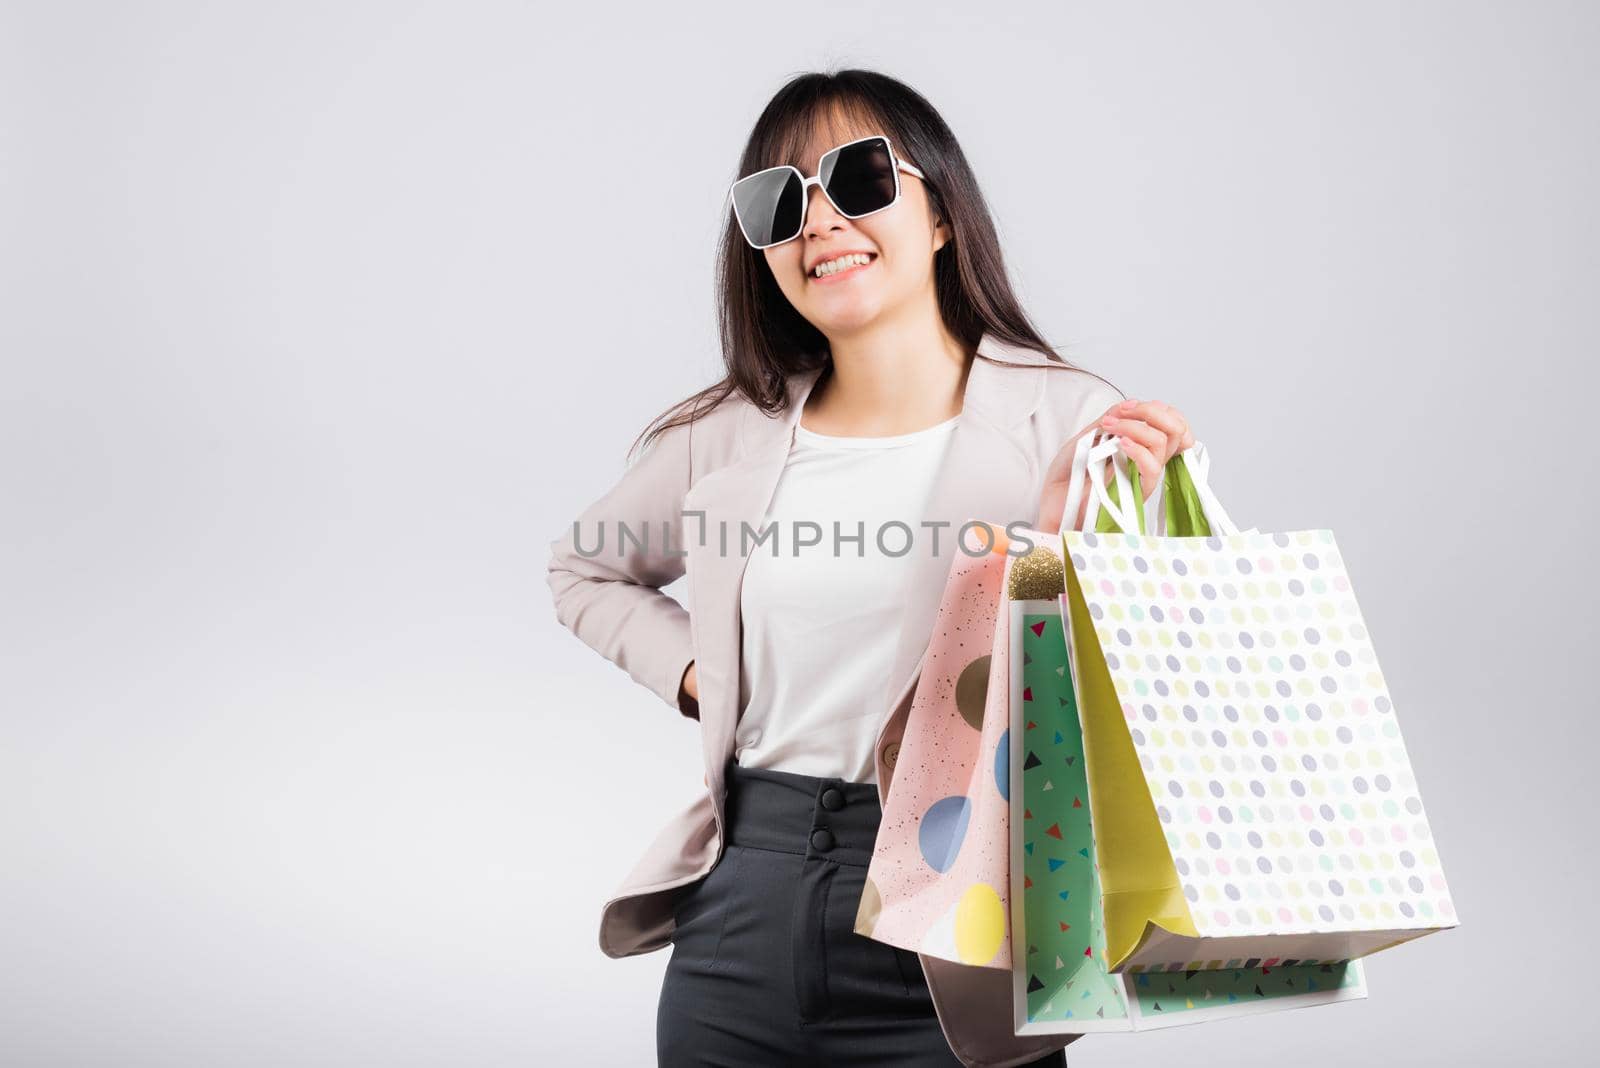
(1019, 409)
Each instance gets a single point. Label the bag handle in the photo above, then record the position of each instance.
(1197, 464)
(1098, 447)
(1090, 449)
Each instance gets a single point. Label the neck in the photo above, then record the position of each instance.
(891, 378)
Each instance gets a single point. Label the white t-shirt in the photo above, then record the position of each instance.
(822, 620)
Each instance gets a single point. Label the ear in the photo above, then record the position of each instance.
(941, 234)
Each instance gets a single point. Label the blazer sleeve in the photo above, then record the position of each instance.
(611, 598)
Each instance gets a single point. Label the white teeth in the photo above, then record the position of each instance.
(843, 262)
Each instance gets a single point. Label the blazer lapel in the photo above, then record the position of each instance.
(729, 498)
(987, 474)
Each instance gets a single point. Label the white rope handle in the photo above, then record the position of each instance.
(1199, 464)
(1122, 510)
(1093, 449)
(1096, 447)
(1080, 464)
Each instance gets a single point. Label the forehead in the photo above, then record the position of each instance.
(828, 131)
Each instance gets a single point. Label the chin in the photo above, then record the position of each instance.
(836, 324)
(845, 317)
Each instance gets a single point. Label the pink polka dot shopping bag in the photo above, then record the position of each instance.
(937, 881)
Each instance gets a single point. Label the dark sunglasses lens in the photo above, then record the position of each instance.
(862, 177)
(769, 206)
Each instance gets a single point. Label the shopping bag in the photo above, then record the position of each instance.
(937, 882)
(1252, 796)
(939, 878)
(1061, 983)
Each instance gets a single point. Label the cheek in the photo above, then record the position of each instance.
(904, 241)
(907, 264)
(788, 271)
(784, 262)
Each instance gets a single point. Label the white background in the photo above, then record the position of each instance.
(318, 327)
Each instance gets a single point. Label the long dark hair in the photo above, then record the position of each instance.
(764, 339)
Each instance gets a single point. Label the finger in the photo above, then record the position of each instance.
(1167, 418)
(1152, 438)
(1149, 466)
(1185, 434)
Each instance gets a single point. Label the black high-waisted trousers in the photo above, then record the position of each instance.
(766, 966)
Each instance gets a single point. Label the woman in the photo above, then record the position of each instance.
(881, 376)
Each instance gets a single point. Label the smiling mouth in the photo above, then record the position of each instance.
(872, 257)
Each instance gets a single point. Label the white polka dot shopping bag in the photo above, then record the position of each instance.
(1231, 817)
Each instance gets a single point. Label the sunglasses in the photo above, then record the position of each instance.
(859, 178)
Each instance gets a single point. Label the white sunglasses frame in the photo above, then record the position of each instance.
(816, 179)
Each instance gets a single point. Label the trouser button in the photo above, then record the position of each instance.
(822, 839)
(832, 799)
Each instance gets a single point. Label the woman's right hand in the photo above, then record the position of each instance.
(689, 693)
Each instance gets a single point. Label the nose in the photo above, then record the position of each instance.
(820, 214)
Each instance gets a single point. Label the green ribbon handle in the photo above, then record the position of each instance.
(1107, 523)
(1186, 517)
